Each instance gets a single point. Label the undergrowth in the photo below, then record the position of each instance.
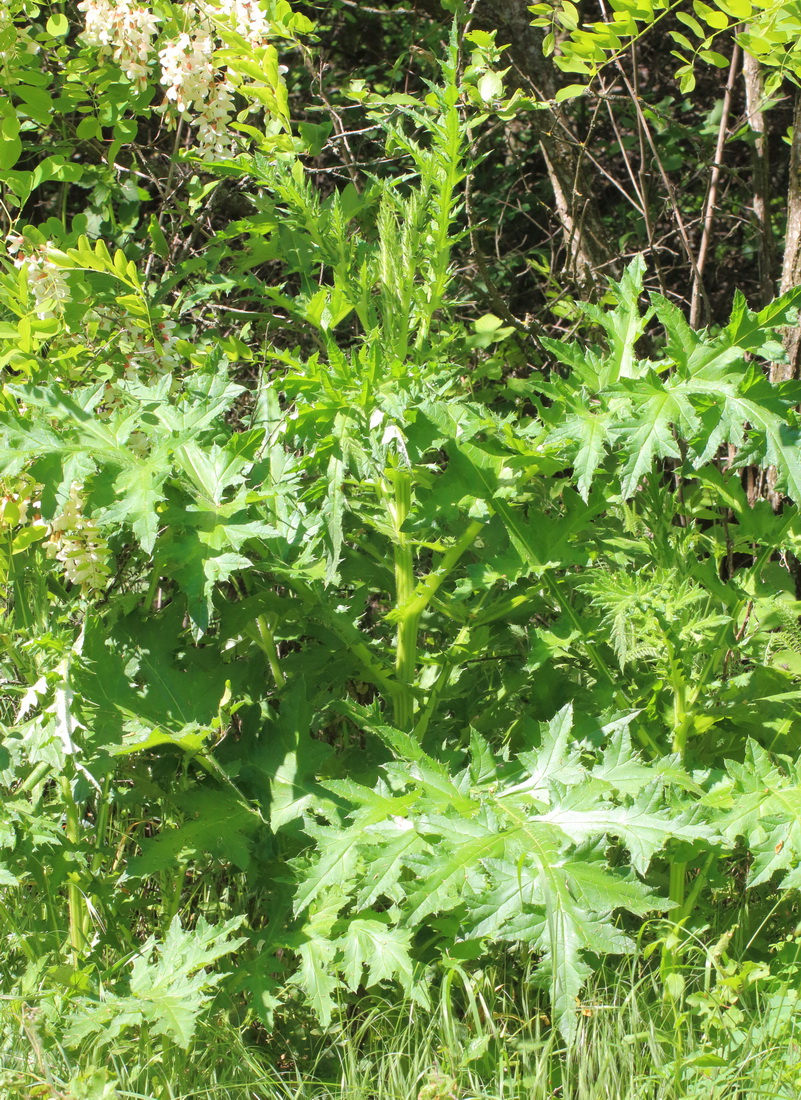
(395, 702)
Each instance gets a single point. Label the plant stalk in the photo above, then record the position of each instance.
(409, 621)
(267, 639)
(74, 898)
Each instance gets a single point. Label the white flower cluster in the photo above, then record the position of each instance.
(187, 71)
(77, 543)
(45, 279)
(247, 17)
(194, 85)
(123, 31)
(152, 356)
(199, 90)
(215, 139)
(144, 351)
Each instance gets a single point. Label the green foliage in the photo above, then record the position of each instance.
(289, 604)
(703, 394)
(766, 30)
(169, 987)
(503, 850)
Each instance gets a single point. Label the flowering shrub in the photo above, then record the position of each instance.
(198, 87)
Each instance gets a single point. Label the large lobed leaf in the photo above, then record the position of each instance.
(513, 850)
(703, 394)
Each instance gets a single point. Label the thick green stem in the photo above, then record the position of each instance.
(267, 639)
(698, 884)
(74, 898)
(102, 814)
(428, 588)
(41, 770)
(672, 948)
(152, 588)
(441, 682)
(411, 598)
(682, 717)
(173, 906)
(101, 825)
(348, 636)
(678, 881)
(406, 643)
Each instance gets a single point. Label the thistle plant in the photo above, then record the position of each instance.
(327, 639)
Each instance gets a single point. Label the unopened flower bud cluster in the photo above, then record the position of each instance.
(46, 279)
(196, 88)
(76, 542)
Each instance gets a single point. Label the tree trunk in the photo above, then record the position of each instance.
(760, 177)
(791, 268)
(791, 277)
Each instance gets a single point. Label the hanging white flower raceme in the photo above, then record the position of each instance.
(152, 354)
(147, 350)
(45, 279)
(76, 542)
(199, 91)
(48, 284)
(215, 139)
(123, 30)
(247, 16)
(187, 70)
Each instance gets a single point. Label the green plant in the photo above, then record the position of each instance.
(765, 30)
(328, 629)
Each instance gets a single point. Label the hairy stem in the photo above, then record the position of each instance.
(74, 899)
(409, 621)
(270, 649)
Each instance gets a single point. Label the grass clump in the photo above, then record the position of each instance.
(487, 1038)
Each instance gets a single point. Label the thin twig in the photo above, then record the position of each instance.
(639, 205)
(378, 11)
(532, 329)
(339, 126)
(714, 179)
(582, 152)
(643, 177)
(670, 190)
